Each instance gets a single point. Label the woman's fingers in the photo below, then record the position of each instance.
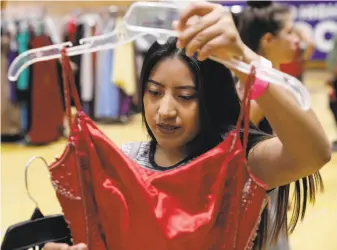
(199, 26)
(207, 49)
(195, 9)
(221, 46)
(214, 32)
(80, 246)
(201, 39)
(62, 246)
(56, 246)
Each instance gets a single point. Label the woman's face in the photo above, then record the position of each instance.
(282, 48)
(171, 104)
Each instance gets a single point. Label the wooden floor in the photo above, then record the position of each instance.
(317, 232)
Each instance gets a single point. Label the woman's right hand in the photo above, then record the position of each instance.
(62, 246)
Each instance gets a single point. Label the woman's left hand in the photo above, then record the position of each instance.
(214, 33)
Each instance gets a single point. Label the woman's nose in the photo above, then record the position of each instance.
(167, 109)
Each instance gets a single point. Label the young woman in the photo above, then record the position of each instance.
(190, 103)
(274, 38)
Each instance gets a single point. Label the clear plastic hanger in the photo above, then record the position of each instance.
(150, 18)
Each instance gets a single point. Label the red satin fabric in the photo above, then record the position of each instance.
(110, 202)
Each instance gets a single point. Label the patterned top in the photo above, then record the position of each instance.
(145, 156)
(142, 157)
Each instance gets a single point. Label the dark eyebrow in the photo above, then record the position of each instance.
(156, 83)
(179, 87)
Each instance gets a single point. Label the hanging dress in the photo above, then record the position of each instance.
(110, 202)
(87, 73)
(45, 107)
(10, 110)
(107, 95)
(74, 32)
(23, 80)
(124, 75)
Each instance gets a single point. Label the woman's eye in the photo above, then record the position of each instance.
(187, 97)
(154, 93)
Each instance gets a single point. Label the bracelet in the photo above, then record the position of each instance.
(259, 86)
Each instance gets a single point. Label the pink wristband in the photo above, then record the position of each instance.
(258, 88)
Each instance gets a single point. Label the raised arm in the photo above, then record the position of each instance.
(302, 147)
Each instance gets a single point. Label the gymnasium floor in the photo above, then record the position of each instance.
(317, 232)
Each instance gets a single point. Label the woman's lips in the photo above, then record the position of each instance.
(167, 129)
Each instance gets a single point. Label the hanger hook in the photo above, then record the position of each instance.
(26, 176)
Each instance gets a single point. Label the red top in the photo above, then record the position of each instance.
(110, 202)
(295, 67)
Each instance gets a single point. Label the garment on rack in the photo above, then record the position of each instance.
(124, 73)
(74, 32)
(110, 202)
(124, 76)
(11, 55)
(142, 45)
(23, 80)
(71, 30)
(10, 111)
(125, 104)
(107, 95)
(45, 106)
(87, 74)
(86, 71)
(107, 100)
(51, 29)
(23, 43)
(94, 69)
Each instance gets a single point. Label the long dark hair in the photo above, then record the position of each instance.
(216, 91)
(256, 20)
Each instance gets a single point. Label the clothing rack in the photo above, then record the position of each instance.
(104, 94)
(33, 18)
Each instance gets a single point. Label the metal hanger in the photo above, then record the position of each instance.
(30, 161)
(39, 229)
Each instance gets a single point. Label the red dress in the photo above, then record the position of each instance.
(110, 202)
(46, 103)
